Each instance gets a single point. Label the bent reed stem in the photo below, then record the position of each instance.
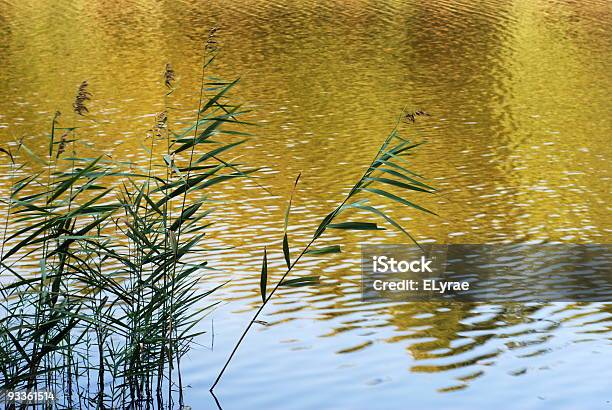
(278, 284)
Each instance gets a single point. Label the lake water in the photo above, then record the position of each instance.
(518, 142)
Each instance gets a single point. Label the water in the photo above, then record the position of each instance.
(519, 141)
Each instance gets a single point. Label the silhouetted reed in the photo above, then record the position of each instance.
(112, 307)
(113, 303)
(82, 96)
(169, 76)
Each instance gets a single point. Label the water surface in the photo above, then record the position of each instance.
(519, 142)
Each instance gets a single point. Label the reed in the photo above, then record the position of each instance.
(388, 169)
(112, 303)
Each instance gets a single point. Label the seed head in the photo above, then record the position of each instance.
(82, 95)
(211, 42)
(169, 76)
(62, 145)
(411, 116)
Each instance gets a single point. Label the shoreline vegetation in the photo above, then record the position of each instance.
(113, 304)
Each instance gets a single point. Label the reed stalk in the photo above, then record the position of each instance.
(384, 156)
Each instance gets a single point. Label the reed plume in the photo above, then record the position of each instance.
(82, 95)
(62, 145)
(411, 116)
(169, 76)
(211, 41)
(161, 123)
(56, 118)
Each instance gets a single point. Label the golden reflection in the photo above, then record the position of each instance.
(518, 142)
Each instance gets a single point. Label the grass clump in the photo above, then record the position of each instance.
(112, 304)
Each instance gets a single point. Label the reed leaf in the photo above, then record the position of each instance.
(263, 279)
(324, 251)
